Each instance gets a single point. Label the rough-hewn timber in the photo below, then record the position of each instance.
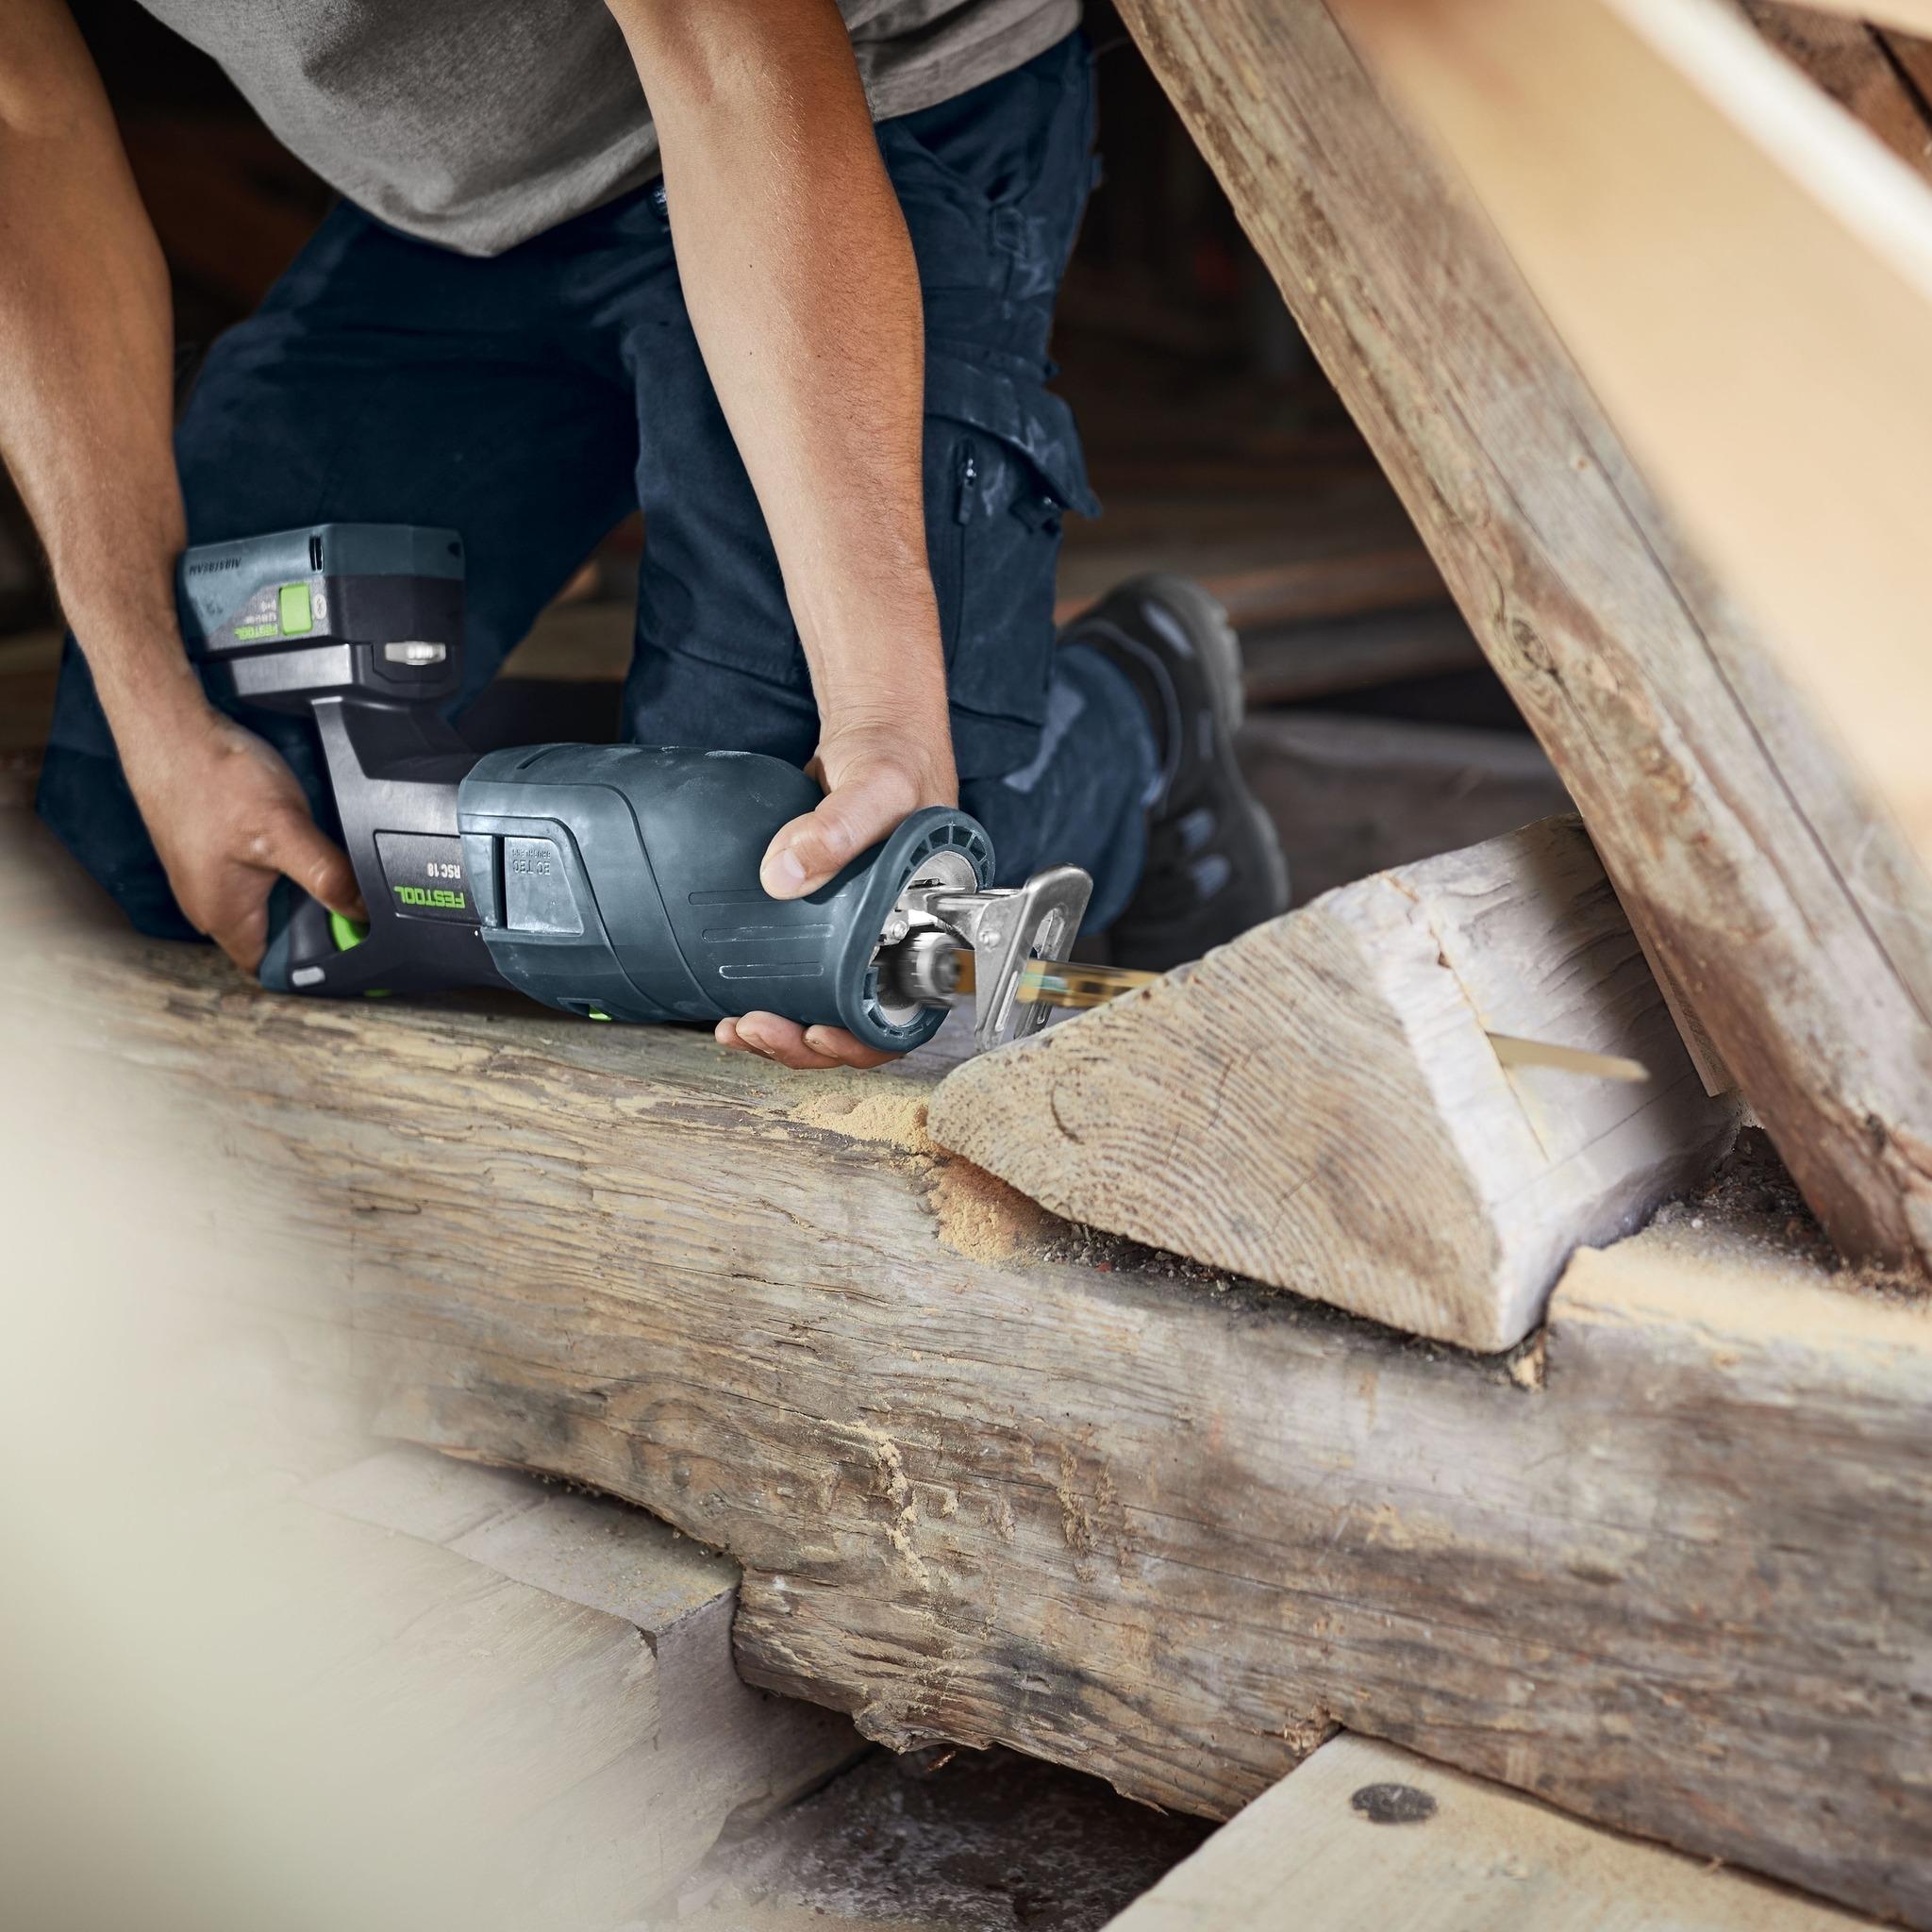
(1075, 1499)
(1793, 917)
(1319, 1103)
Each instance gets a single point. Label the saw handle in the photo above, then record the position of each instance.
(306, 942)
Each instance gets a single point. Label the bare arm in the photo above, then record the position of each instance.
(86, 405)
(799, 279)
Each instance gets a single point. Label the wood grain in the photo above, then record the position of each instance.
(1317, 1104)
(1792, 917)
(1364, 1835)
(1803, 468)
(993, 1480)
(544, 1683)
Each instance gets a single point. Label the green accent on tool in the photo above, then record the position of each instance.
(591, 1013)
(297, 611)
(346, 932)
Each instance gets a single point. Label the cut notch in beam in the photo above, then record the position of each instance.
(1320, 1105)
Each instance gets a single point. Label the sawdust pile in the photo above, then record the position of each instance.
(1750, 1217)
(985, 1219)
(979, 1216)
(880, 1112)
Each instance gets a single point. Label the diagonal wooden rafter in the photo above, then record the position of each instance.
(1790, 914)
(1747, 285)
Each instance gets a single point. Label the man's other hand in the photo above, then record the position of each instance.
(229, 818)
(875, 777)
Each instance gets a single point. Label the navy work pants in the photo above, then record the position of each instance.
(531, 399)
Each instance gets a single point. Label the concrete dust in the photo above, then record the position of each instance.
(941, 1840)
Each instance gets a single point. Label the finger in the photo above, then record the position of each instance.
(849, 820)
(241, 929)
(846, 1048)
(776, 1038)
(298, 850)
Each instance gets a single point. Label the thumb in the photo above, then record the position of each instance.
(300, 851)
(850, 819)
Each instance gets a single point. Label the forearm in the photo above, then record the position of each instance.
(86, 364)
(799, 279)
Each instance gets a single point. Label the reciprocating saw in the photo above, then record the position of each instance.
(619, 882)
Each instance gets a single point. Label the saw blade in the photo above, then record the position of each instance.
(1076, 983)
(1070, 983)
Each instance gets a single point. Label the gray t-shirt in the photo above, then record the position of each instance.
(476, 123)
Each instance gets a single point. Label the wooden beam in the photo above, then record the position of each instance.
(1364, 1835)
(1353, 795)
(993, 1479)
(547, 1679)
(1290, 664)
(1792, 917)
(1319, 1104)
(1781, 396)
(1854, 64)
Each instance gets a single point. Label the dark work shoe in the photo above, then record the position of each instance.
(1214, 864)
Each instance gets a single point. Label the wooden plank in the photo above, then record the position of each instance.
(533, 1695)
(1363, 1834)
(1352, 795)
(1805, 467)
(1287, 665)
(1319, 1105)
(991, 1478)
(1793, 917)
(720, 1753)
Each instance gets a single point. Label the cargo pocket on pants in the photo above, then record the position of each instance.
(1003, 467)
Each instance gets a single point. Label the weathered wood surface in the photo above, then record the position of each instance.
(1317, 1104)
(985, 1486)
(1803, 470)
(1362, 1834)
(576, 1655)
(530, 1695)
(1797, 923)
